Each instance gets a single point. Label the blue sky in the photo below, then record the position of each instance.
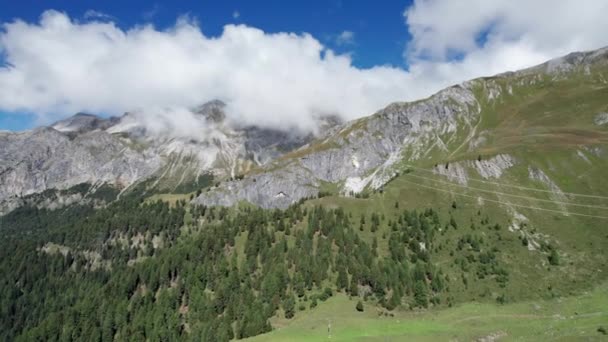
(379, 29)
(355, 58)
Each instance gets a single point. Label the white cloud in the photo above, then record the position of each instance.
(93, 14)
(499, 35)
(59, 66)
(167, 121)
(345, 38)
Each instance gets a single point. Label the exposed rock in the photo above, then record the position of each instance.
(354, 185)
(556, 193)
(478, 141)
(213, 111)
(495, 166)
(517, 221)
(275, 189)
(264, 144)
(601, 119)
(93, 258)
(539, 175)
(45, 158)
(492, 337)
(83, 122)
(121, 151)
(596, 151)
(360, 153)
(583, 156)
(455, 172)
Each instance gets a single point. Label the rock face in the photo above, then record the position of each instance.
(495, 166)
(82, 122)
(45, 158)
(121, 151)
(601, 119)
(360, 152)
(275, 189)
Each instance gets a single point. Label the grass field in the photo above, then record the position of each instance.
(561, 319)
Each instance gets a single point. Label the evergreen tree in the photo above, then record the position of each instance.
(420, 294)
(553, 257)
(342, 281)
(359, 306)
(289, 306)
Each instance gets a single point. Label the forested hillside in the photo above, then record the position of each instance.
(143, 269)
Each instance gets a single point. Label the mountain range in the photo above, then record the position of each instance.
(480, 128)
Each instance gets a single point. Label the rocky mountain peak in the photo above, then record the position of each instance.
(82, 122)
(213, 111)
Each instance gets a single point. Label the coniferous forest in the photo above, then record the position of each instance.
(141, 270)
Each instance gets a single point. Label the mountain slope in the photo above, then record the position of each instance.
(121, 152)
(555, 106)
(44, 158)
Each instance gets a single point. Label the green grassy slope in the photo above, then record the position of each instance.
(563, 319)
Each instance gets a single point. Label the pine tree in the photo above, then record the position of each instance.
(342, 281)
(420, 294)
(554, 257)
(354, 287)
(313, 303)
(359, 306)
(289, 305)
(299, 285)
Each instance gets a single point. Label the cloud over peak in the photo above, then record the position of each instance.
(58, 66)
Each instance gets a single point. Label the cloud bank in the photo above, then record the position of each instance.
(457, 40)
(60, 66)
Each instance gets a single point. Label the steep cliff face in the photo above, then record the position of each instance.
(45, 158)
